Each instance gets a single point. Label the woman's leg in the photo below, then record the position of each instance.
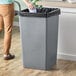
(8, 24)
(1, 23)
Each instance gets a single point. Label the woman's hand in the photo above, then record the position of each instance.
(29, 4)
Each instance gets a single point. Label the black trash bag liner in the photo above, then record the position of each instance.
(41, 12)
(44, 10)
(25, 10)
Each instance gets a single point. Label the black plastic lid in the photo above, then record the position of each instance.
(41, 12)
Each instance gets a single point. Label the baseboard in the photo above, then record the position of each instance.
(15, 23)
(66, 57)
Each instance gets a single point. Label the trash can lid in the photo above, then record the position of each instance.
(41, 12)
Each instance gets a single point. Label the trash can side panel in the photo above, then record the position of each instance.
(33, 34)
(51, 40)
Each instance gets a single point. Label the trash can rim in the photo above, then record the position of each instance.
(55, 11)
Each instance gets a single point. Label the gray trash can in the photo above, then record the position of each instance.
(39, 35)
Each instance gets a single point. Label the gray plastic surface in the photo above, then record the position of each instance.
(39, 41)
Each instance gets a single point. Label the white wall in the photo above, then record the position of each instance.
(67, 34)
